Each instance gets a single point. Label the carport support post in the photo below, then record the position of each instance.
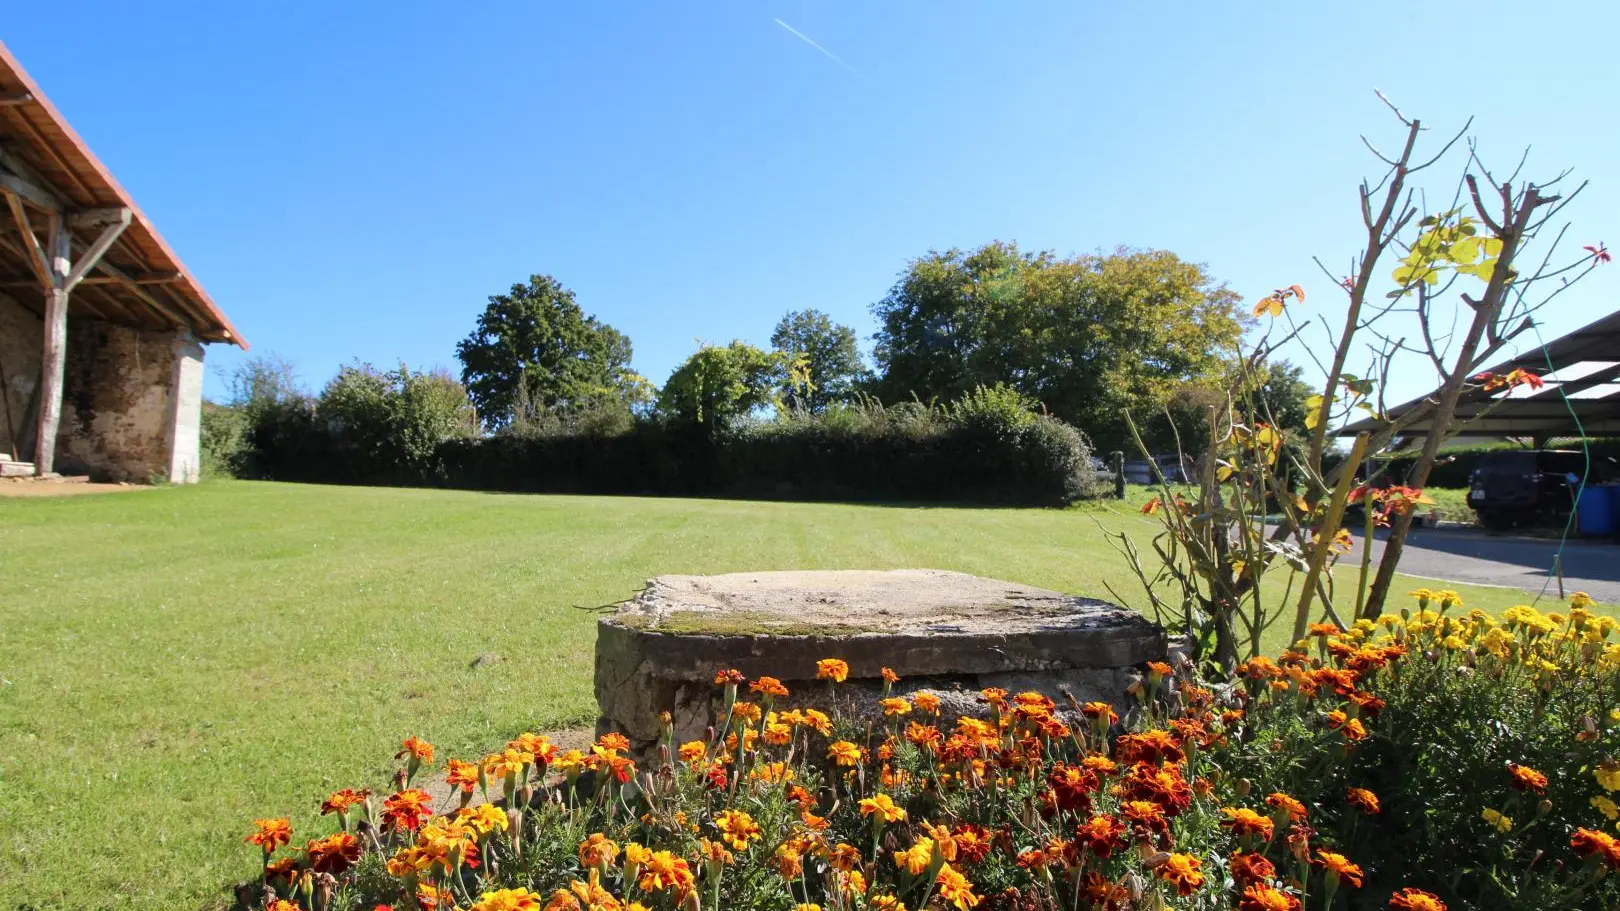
(63, 275)
(53, 363)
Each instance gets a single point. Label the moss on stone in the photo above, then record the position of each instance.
(742, 623)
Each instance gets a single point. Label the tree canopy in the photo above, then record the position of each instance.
(832, 359)
(718, 385)
(535, 349)
(1091, 337)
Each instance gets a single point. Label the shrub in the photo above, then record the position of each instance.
(1410, 764)
(389, 424)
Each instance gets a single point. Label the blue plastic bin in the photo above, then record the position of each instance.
(1595, 515)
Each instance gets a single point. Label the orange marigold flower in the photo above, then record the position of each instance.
(768, 686)
(994, 695)
(1363, 800)
(1527, 779)
(1351, 728)
(507, 762)
(834, 669)
(333, 854)
(1158, 670)
(1595, 843)
(341, 801)
(417, 749)
(281, 866)
(1100, 764)
(1244, 821)
(844, 753)
(463, 775)
(1103, 835)
(926, 702)
(613, 740)
(1249, 867)
(693, 751)
(924, 736)
(598, 850)
(747, 711)
(1100, 711)
(1337, 865)
(1415, 900)
(270, 834)
(894, 706)
(1145, 816)
(737, 828)
(1261, 897)
(890, 676)
(1183, 872)
(730, 677)
(1323, 630)
(1286, 806)
(537, 745)
(664, 872)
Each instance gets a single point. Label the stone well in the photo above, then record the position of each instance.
(948, 633)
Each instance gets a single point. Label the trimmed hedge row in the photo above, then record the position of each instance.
(1040, 462)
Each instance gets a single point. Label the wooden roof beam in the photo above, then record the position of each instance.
(38, 262)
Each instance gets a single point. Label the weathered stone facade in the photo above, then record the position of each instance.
(22, 336)
(131, 403)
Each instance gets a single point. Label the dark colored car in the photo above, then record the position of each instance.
(1525, 486)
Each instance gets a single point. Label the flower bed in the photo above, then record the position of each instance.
(1436, 759)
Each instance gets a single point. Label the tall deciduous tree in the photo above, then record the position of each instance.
(534, 347)
(717, 385)
(1091, 337)
(832, 359)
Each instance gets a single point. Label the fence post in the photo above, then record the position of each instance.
(1116, 460)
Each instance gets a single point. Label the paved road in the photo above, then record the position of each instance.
(1473, 556)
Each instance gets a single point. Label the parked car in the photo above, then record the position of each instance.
(1526, 486)
(1177, 469)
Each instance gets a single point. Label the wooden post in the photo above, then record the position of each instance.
(53, 364)
(1116, 461)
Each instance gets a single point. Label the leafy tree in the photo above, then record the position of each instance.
(1091, 337)
(716, 386)
(1281, 395)
(832, 358)
(534, 348)
(392, 421)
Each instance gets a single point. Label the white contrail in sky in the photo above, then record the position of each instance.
(807, 40)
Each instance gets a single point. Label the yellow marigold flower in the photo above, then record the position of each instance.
(1581, 601)
(1449, 598)
(1494, 818)
(834, 669)
(956, 889)
(926, 702)
(507, 762)
(894, 706)
(1608, 775)
(635, 855)
(883, 807)
(507, 900)
(886, 903)
(737, 828)
(693, 751)
(1606, 806)
(778, 734)
(484, 818)
(918, 858)
(568, 761)
(844, 753)
(1422, 595)
(771, 772)
(664, 872)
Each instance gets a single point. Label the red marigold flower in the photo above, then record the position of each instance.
(1527, 779)
(1182, 872)
(729, 677)
(1148, 746)
(1415, 900)
(1103, 835)
(1163, 784)
(1145, 816)
(1363, 800)
(1249, 867)
(333, 854)
(1595, 843)
(341, 801)
(407, 809)
(1072, 787)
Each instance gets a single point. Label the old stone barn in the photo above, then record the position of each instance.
(101, 326)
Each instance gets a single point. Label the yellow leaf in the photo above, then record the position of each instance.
(1270, 304)
(1300, 504)
(1238, 566)
(1224, 470)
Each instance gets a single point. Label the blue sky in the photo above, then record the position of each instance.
(352, 180)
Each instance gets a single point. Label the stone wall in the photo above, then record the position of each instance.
(22, 335)
(130, 403)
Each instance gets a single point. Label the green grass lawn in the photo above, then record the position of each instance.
(179, 661)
